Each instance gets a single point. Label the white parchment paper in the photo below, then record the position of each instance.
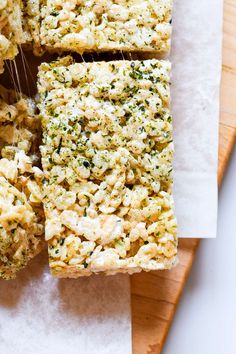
(43, 315)
(196, 71)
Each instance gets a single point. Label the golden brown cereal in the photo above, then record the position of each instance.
(21, 212)
(31, 25)
(11, 30)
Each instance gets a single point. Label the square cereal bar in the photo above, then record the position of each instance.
(107, 159)
(106, 25)
(21, 211)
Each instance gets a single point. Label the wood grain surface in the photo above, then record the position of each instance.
(155, 295)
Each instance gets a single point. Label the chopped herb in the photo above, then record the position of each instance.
(54, 13)
(59, 146)
(85, 264)
(86, 164)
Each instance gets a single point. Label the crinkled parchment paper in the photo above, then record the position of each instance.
(42, 315)
(196, 71)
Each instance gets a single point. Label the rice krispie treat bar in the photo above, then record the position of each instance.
(21, 211)
(11, 29)
(107, 158)
(106, 25)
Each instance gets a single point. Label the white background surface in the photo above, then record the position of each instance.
(205, 321)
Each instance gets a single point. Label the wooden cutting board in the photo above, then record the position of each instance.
(155, 296)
